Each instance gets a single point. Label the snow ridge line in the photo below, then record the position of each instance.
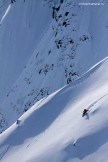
(7, 10)
(84, 76)
(89, 72)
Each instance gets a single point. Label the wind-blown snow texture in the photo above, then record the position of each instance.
(54, 129)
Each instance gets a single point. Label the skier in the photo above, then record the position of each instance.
(84, 112)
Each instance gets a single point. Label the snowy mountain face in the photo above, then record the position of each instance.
(54, 129)
(22, 26)
(51, 51)
(61, 39)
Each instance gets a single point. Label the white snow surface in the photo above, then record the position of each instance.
(54, 129)
(53, 49)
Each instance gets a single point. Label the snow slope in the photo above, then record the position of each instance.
(22, 25)
(54, 129)
(75, 40)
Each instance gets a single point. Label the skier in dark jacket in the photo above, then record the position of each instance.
(85, 111)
